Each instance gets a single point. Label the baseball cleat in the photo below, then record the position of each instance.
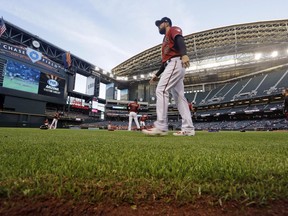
(154, 132)
(185, 133)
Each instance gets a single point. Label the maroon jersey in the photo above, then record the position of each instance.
(133, 107)
(168, 49)
(56, 116)
(190, 106)
(143, 118)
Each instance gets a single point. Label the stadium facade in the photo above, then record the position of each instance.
(37, 79)
(217, 56)
(236, 71)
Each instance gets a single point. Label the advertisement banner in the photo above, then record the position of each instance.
(51, 85)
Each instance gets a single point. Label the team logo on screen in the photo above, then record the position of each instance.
(33, 55)
(51, 85)
(52, 82)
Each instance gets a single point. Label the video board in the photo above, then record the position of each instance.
(22, 77)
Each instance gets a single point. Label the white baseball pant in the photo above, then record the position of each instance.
(133, 115)
(171, 80)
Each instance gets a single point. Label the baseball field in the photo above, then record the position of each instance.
(122, 168)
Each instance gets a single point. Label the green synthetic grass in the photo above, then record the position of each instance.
(20, 84)
(123, 166)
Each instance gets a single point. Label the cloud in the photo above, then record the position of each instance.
(106, 33)
(110, 31)
(70, 31)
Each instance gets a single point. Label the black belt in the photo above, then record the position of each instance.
(169, 60)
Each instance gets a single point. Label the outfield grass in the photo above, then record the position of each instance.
(124, 166)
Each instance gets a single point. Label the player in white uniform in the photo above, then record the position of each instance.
(133, 109)
(172, 71)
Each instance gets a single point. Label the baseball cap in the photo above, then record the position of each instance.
(164, 19)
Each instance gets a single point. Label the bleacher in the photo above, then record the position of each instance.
(253, 87)
(268, 83)
(236, 105)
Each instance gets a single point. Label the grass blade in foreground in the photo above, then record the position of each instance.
(131, 167)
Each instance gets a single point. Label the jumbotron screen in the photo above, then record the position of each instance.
(21, 77)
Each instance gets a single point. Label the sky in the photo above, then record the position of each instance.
(105, 33)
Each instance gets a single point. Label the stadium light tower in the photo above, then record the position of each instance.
(258, 56)
(274, 54)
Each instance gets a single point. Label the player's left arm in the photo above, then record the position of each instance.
(181, 47)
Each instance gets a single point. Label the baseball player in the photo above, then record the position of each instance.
(172, 71)
(143, 118)
(133, 108)
(55, 121)
(191, 106)
(46, 125)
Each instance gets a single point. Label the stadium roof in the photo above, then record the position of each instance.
(219, 54)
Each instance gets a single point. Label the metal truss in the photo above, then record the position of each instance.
(239, 42)
(18, 36)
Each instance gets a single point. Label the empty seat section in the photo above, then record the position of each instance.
(283, 82)
(270, 81)
(234, 90)
(213, 94)
(201, 96)
(253, 84)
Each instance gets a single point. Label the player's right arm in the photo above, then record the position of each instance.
(155, 77)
